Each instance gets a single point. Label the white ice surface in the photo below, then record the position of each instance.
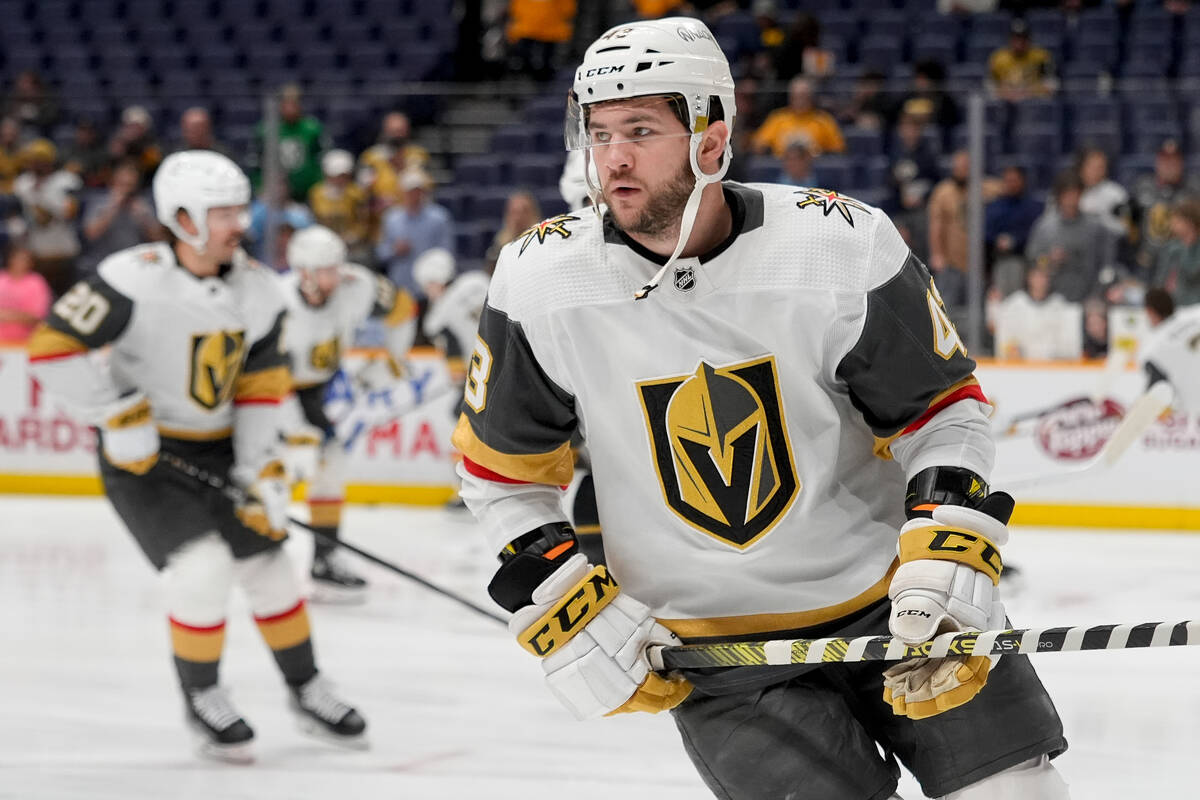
(89, 707)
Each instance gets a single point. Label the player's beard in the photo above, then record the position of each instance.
(663, 209)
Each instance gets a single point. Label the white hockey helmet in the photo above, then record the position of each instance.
(195, 181)
(337, 162)
(672, 56)
(434, 266)
(315, 247)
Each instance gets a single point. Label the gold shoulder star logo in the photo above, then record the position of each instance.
(829, 201)
(545, 228)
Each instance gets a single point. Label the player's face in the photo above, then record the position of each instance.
(226, 227)
(641, 152)
(323, 281)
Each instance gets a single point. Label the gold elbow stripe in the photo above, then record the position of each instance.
(187, 435)
(274, 383)
(197, 644)
(404, 309)
(130, 417)
(947, 543)
(139, 467)
(554, 468)
(573, 611)
(287, 629)
(883, 445)
(696, 630)
(47, 343)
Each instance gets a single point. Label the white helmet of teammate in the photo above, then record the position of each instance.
(673, 56)
(435, 266)
(195, 181)
(315, 247)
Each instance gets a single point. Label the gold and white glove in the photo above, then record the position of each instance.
(947, 581)
(264, 507)
(302, 452)
(129, 435)
(592, 640)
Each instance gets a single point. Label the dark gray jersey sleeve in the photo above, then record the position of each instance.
(516, 423)
(909, 359)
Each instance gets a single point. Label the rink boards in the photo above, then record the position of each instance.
(1050, 418)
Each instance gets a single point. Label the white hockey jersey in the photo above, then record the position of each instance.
(1173, 352)
(195, 346)
(318, 335)
(741, 420)
(453, 318)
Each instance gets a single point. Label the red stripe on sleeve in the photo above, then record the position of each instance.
(480, 471)
(258, 401)
(972, 392)
(57, 356)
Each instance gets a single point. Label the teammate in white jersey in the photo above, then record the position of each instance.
(753, 424)
(327, 300)
(196, 373)
(1172, 350)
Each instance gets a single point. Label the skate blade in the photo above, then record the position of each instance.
(241, 753)
(323, 594)
(315, 730)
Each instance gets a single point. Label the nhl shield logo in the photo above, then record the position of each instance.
(721, 449)
(685, 279)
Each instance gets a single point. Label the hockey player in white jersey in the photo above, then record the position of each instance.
(1172, 350)
(455, 305)
(327, 300)
(196, 372)
(787, 439)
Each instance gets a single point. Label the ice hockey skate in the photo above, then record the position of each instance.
(221, 732)
(336, 583)
(322, 714)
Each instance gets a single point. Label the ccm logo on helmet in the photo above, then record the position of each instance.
(609, 70)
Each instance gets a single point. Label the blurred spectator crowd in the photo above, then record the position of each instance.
(1090, 200)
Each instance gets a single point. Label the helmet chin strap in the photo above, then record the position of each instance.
(690, 209)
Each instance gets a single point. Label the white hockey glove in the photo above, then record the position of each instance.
(592, 640)
(264, 507)
(129, 434)
(947, 581)
(302, 452)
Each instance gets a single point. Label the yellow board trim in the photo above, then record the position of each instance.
(554, 468)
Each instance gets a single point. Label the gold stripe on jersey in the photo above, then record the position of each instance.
(403, 309)
(717, 627)
(130, 417)
(48, 343)
(273, 383)
(189, 435)
(883, 445)
(554, 468)
(197, 644)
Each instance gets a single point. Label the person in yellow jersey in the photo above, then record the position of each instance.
(340, 204)
(784, 431)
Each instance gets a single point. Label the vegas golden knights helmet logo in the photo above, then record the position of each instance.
(721, 448)
(215, 365)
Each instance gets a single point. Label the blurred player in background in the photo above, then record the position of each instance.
(789, 411)
(196, 371)
(327, 300)
(1172, 351)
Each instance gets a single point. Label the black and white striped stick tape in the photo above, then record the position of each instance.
(886, 648)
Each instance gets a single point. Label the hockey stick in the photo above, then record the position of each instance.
(1144, 411)
(784, 652)
(236, 495)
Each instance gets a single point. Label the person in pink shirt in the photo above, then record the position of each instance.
(24, 297)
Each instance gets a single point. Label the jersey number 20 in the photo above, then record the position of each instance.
(82, 308)
(477, 376)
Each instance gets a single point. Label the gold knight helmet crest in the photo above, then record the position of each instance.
(721, 448)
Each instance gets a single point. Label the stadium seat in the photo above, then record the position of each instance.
(834, 172)
(535, 170)
(863, 141)
(762, 169)
(478, 171)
